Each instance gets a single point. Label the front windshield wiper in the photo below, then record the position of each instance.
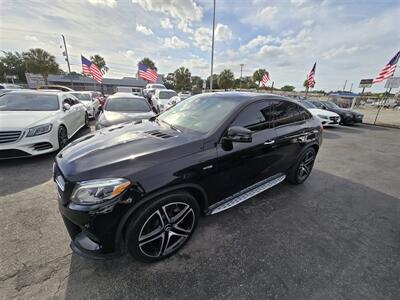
(172, 126)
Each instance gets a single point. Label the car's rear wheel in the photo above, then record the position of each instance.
(62, 137)
(162, 227)
(87, 120)
(302, 169)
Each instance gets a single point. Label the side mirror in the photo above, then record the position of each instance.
(323, 107)
(239, 134)
(66, 106)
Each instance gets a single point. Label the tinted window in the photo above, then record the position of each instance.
(308, 104)
(127, 104)
(166, 94)
(305, 115)
(317, 104)
(28, 102)
(82, 97)
(256, 116)
(285, 112)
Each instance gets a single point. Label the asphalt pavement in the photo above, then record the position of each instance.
(337, 236)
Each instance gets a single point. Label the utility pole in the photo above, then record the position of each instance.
(241, 69)
(351, 87)
(212, 51)
(345, 83)
(65, 53)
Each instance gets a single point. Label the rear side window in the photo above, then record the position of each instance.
(257, 116)
(304, 113)
(285, 112)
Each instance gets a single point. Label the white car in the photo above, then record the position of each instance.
(150, 89)
(327, 118)
(91, 103)
(161, 98)
(35, 122)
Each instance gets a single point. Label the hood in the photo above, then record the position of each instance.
(125, 149)
(108, 118)
(317, 111)
(24, 119)
(343, 111)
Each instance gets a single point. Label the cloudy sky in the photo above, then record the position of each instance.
(348, 39)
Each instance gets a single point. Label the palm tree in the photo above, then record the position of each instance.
(258, 75)
(226, 79)
(148, 62)
(182, 78)
(100, 62)
(39, 61)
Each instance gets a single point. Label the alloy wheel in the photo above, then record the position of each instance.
(62, 137)
(306, 165)
(86, 120)
(166, 229)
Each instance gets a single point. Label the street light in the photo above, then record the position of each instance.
(212, 51)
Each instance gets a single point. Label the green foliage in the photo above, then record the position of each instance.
(305, 83)
(148, 62)
(100, 62)
(215, 82)
(197, 83)
(287, 88)
(182, 79)
(12, 64)
(169, 81)
(39, 61)
(258, 75)
(226, 79)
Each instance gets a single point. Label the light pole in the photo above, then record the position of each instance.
(67, 60)
(212, 51)
(241, 69)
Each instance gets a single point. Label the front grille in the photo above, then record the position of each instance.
(9, 136)
(12, 153)
(159, 134)
(42, 146)
(334, 119)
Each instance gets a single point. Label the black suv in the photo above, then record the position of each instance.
(347, 116)
(142, 185)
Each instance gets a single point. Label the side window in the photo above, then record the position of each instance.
(257, 116)
(67, 100)
(305, 115)
(285, 112)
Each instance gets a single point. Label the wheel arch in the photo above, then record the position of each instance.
(195, 190)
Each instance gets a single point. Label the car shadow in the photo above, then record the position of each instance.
(330, 135)
(16, 174)
(324, 239)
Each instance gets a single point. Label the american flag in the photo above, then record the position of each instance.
(265, 79)
(388, 70)
(310, 77)
(147, 73)
(89, 68)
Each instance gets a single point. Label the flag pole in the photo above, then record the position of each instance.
(384, 98)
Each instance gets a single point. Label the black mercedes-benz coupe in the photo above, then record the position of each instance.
(347, 116)
(142, 186)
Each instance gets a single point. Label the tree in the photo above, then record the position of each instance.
(182, 79)
(39, 61)
(258, 75)
(12, 64)
(305, 84)
(100, 62)
(169, 81)
(215, 82)
(226, 79)
(288, 88)
(197, 83)
(148, 62)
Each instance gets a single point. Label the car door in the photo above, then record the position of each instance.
(68, 118)
(290, 126)
(247, 163)
(78, 111)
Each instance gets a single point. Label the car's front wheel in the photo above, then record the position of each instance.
(160, 228)
(62, 137)
(302, 169)
(87, 125)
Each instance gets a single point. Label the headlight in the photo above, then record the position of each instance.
(323, 117)
(38, 130)
(99, 190)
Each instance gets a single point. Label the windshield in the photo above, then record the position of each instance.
(199, 113)
(82, 97)
(127, 104)
(157, 86)
(317, 104)
(308, 104)
(167, 95)
(331, 105)
(28, 102)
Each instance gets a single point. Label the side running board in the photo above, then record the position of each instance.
(246, 194)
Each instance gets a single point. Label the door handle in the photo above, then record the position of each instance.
(269, 142)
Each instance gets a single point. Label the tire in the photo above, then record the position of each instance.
(87, 125)
(162, 227)
(303, 167)
(94, 114)
(62, 137)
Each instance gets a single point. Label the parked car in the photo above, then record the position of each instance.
(55, 87)
(92, 104)
(150, 89)
(327, 117)
(10, 86)
(183, 95)
(124, 107)
(128, 89)
(161, 98)
(34, 123)
(143, 186)
(173, 101)
(347, 116)
(99, 96)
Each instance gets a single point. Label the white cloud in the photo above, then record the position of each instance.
(202, 38)
(130, 54)
(31, 38)
(298, 2)
(268, 13)
(223, 33)
(175, 42)
(143, 29)
(166, 23)
(109, 3)
(308, 23)
(340, 51)
(258, 41)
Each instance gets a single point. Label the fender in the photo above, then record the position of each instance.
(147, 198)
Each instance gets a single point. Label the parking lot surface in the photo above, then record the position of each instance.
(337, 236)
